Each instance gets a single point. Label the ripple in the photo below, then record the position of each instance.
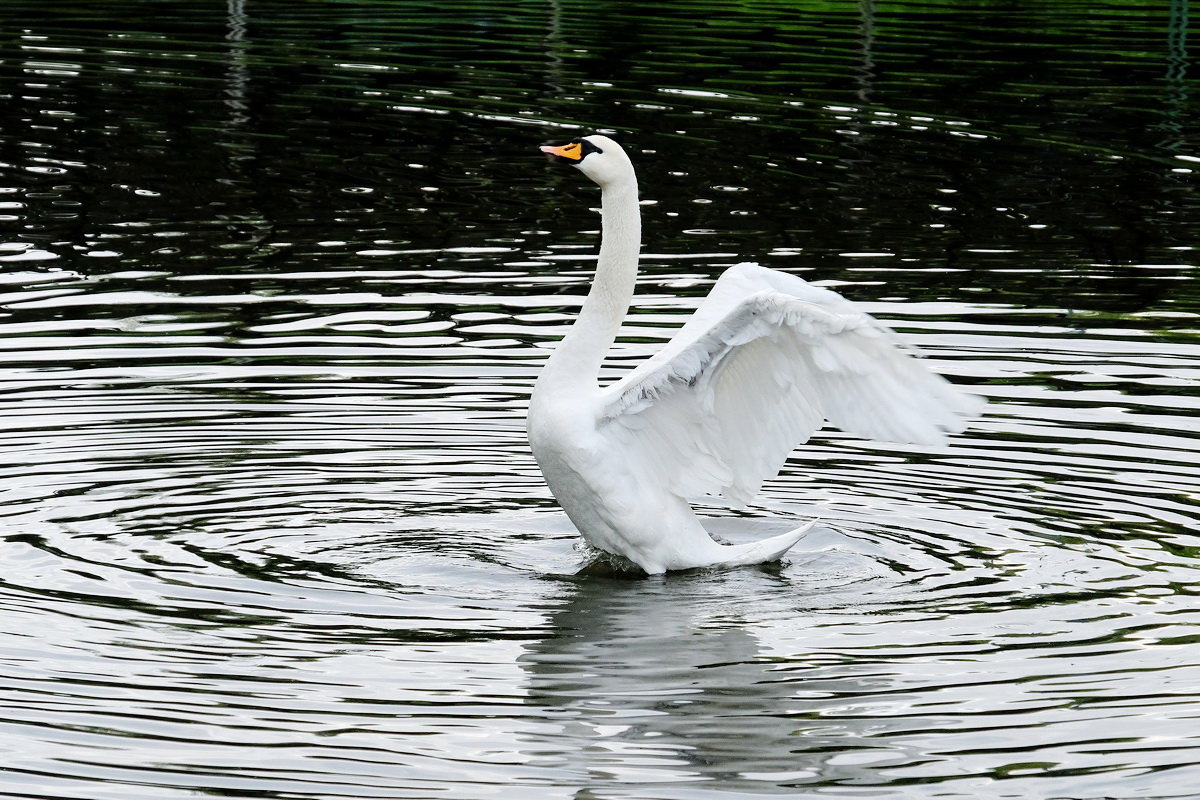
(276, 287)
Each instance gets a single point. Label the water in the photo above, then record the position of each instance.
(277, 280)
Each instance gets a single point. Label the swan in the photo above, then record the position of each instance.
(765, 361)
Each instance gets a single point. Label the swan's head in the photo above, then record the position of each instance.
(598, 157)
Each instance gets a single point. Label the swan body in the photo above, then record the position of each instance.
(764, 362)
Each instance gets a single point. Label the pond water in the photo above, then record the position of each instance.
(277, 279)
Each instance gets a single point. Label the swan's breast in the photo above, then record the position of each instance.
(597, 485)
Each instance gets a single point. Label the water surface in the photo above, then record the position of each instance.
(277, 279)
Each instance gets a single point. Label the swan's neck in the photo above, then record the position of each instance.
(578, 357)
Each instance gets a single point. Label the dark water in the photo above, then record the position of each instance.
(277, 280)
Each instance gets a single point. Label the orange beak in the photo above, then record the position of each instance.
(571, 152)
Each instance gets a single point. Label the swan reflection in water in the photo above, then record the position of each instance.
(662, 680)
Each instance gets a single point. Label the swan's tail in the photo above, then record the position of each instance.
(736, 555)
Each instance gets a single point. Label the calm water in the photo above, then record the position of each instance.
(277, 278)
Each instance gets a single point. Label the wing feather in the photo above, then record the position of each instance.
(764, 362)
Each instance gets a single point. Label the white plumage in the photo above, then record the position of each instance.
(764, 362)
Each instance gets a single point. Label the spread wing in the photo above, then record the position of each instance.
(764, 362)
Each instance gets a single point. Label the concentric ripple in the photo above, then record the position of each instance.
(277, 280)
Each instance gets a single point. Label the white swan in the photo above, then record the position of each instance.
(763, 362)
